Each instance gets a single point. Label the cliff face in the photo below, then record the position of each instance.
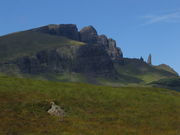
(86, 59)
(88, 35)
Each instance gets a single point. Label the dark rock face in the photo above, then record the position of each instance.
(66, 30)
(86, 59)
(110, 46)
(112, 50)
(149, 61)
(44, 61)
(93, 59)
(103, 40)
(88, 35)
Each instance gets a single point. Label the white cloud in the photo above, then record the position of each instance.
(168, 17)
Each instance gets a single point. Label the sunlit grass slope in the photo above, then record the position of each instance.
(143, 71)
(28, 43)
(91, 110)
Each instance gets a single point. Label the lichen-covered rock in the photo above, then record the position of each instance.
(88, 35)
(56, 110)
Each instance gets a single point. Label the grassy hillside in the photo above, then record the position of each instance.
(170, 83)
(167, 68)
(91, 110)
(143, 71)
(29, 43)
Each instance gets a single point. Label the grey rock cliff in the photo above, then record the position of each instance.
(88, 59)
(110, 46)
(112, 49)
(103, 40)
(88, 35)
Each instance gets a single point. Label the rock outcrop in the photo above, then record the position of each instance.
(149, 61)
(66, 30)
(113, 51)
(87, 59)
(56, 110)
(110, 46)
(88, 35)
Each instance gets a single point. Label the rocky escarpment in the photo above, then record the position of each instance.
(87, 34)
(86, 59)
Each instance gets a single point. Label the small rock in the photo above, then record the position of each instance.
(56, 110)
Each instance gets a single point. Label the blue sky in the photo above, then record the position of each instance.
(140, 27)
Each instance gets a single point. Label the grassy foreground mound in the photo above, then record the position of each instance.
(91, 110)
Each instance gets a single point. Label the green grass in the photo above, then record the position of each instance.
(29, 43)
(91, 110)
(142, 71)
(167, 68)
(61, 77)
(170, 83)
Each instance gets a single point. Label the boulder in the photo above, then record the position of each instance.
(56, 110)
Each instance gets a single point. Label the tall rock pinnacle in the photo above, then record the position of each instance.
(149, 61)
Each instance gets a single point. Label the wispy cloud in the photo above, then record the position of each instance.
(168, 18)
